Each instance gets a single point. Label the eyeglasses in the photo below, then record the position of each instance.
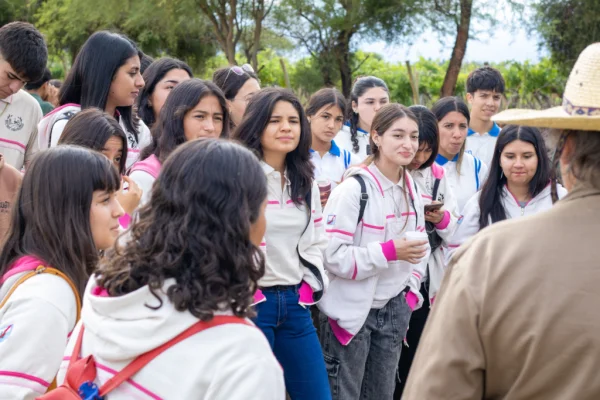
(239, 71)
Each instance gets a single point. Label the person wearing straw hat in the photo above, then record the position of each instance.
(517, 315)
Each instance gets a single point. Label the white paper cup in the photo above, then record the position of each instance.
(413, 235)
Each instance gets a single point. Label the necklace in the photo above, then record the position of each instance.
(397, 226)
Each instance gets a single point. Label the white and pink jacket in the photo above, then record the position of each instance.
(468, 224)
(227, 362)
(361, 258)
(305, 264)
(425, 180)
(35, 325)
(52, 125)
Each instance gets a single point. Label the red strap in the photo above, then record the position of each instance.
(145, 358)
(77, 348)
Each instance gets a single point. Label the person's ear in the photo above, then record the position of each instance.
(376, 138)
(470, 98)
(354, 107)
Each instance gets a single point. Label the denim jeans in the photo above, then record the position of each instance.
(290, 331)
(365, 369)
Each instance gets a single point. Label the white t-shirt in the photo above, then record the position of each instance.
(482, 145)
(333, 164)
(344, 140)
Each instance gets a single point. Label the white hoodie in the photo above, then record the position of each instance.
(53, 124)
(473, 174)
(225, 362)
(425, 180)
(360, 257)
(469, 221)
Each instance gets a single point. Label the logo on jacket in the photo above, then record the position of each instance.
(13, 123)
(5, 332)
(460, 220)
(331, 219)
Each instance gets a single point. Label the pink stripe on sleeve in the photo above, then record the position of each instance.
(373, 226)
(25, 376)
(21, 145)
(318, 220)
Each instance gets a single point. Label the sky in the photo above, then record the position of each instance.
(501, 44)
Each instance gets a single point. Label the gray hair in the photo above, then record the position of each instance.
(584, 163)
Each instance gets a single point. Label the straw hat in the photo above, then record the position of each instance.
(581, 101)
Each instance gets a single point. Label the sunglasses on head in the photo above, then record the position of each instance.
(239, 71)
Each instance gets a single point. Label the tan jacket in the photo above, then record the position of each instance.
(10, 182)
(518, 315)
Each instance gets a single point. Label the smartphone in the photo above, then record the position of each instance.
(433, 207)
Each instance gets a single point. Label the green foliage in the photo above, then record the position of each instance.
(567, 27)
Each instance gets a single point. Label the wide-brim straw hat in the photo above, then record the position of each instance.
(580, 109)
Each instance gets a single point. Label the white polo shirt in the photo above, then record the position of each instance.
(344, 141)
(473, 174)
(333, 164)
(482, 145)
(19, 118)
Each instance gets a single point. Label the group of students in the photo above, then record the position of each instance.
(302, 245)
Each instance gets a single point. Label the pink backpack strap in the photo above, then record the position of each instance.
(150, 165)
(438, 172)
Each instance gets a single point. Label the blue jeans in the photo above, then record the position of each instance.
(290, 331)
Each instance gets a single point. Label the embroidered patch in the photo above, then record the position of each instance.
(460, 220)
(331, 219)
(5, 332)
(13, 123)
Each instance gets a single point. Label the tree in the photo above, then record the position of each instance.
(329, 29)
(567, 27)
(232, 19)
(157, 26)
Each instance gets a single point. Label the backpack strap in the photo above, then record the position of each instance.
(48, 270)
(145, 358)
(364, 197)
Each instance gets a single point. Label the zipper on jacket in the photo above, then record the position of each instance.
(522, 211)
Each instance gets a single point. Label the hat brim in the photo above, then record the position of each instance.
(555, 117)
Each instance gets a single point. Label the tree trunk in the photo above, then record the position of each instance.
(286, 77)
(342, 57)
(414, 85)
(460, 48)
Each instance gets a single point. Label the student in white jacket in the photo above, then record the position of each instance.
(194, 256)
(276, 128)
(434, 188)
(518, 185)
(325, 112)
(105, 75)
(368, 95)
(65, 213)
(194, 109)
(465, 173)
(375, 271)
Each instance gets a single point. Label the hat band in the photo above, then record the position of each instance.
(574, 110)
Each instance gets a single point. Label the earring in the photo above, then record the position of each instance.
(501, 174)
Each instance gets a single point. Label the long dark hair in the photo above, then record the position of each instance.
(92, 128)
(360, 87)
(249, 132)
(154, 74)
(490, 200)
(445, 106)
(88, 82)
(428, 132)
(51, 218)
(325, 97)
(168, 132)
(198, 234)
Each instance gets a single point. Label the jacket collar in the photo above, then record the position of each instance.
(357, 128)
(494, 132)
(268, 170)
(580, 191)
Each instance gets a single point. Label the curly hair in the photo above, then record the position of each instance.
(196, 229)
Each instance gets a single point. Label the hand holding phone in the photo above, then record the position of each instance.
(433, 207)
